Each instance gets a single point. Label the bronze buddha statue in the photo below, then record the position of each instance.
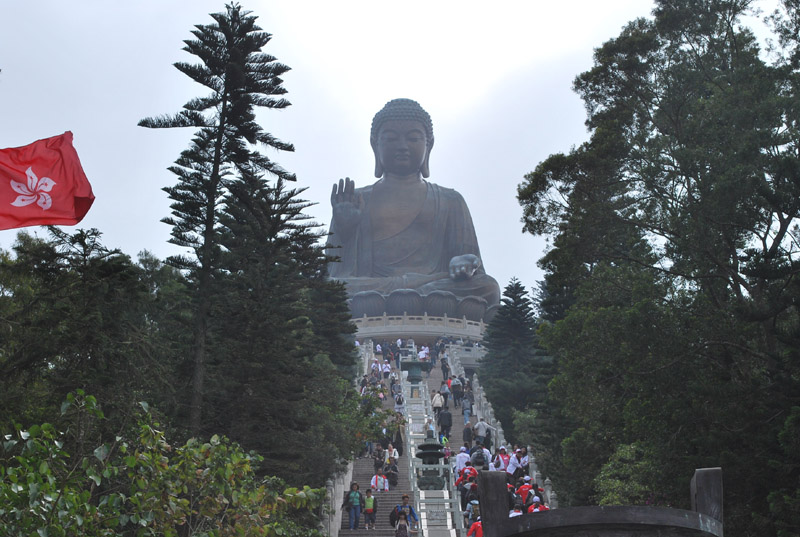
(406, 244)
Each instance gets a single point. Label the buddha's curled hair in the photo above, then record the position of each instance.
(402, 110)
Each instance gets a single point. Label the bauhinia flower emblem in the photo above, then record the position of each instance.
(36, 190)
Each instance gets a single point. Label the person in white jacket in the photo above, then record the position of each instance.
(379, 482)
(437, 402)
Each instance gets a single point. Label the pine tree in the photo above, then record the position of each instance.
(284, 330)
(510, 343)
(240, 78)
(74, 314)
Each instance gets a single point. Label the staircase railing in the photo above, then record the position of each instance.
(331, 515)
(483, 409)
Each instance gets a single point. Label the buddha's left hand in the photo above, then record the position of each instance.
(463, 267)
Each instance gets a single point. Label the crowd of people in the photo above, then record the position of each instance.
(524, 495)
(383, 381)
(403, 517)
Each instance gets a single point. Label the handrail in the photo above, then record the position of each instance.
(330, 516)
(483, 408)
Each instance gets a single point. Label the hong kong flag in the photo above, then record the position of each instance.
(42, 184)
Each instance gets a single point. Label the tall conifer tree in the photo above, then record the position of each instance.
(509, 369)
(275, 386)
(240, 78)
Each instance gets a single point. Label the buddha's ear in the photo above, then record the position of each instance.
(426, 168)
(378, 167)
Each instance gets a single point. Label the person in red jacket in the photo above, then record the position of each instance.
(476, 529)
(523, 488)
(537, 507)
(464, 475)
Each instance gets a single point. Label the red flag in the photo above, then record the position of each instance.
(43, 184)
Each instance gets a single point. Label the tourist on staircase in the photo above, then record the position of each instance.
(472, 513)
(467, 434)
(370, 510)
(457, 389)
(353, 501)
(462, 458)
(482, 431)
(401, 527)
(514, 469)
(392, 472)
(379, 482)
(399, 438)
(445, 421)
(391, 452)
(479, 456)
(445, 391)
(399, 403)
(379, 458)
(406, 510)
(466, 404)
(476, 530)
(437, 402)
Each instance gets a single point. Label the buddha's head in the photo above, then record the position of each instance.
(402, 138)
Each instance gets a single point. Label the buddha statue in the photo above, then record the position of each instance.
(404, 244)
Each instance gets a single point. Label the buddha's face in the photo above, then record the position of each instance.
(402, 147)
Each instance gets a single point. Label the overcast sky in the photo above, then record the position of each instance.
(496, 78)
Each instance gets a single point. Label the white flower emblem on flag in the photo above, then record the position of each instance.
(36, 190)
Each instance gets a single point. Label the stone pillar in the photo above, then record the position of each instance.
(494, 501)
(706, 492)
(328, 517)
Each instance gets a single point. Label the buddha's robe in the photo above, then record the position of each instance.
(418, 256)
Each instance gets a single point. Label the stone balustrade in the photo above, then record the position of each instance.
(483, 409)
(419, 326)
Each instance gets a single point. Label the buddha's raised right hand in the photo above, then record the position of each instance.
(347, 205)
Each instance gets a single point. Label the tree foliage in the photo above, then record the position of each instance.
(76, 314)
(673, 271)
(271, 359)
(515, 370)
(240, 78)
(136, 483)
(244, 337)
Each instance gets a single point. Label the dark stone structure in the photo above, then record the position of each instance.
(407, 245)
(430, 452)
(606, 521)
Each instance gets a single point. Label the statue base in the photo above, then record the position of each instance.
(412, 302)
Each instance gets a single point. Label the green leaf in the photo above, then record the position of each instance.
(101, 452)
(92, 474)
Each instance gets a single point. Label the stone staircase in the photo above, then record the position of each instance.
(437, 522)
(363, 471)
(456, 432)
(436, 518)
